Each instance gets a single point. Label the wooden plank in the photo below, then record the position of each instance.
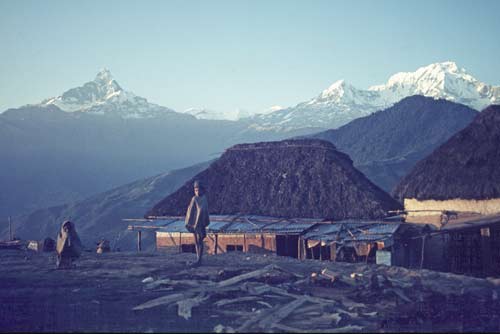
(243, 277)
(157, 283)
(236, 313)
(224, 302)
(185, 306)
(191, 283)
(346, 329)
(169, 299)
(309, 298)
(290, 329)
(257, 316)
(264, 303)
(275, 317)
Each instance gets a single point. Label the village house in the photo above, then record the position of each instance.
(345, 241)
(456, 189)
(469, 245)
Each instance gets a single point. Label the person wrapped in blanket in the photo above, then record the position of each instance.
(69, 246)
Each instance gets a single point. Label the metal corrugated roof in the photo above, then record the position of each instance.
(352, 231)
(239, 224)
(241, 227)
(348, 230)
(377, 228)
(287, 227)
(175, 226)
(323, 232)
(471, 222)
(216, 226)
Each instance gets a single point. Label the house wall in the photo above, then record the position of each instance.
(465, 253)
(173, 239)
(471, 251)
(218, 243)
(436, 252)
(484, 207)
(252, 243)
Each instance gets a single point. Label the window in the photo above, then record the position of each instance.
(188, 248)
(234, 248)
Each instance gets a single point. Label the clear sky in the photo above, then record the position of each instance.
(225, 55)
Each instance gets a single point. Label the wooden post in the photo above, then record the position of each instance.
(180, 242)
(304, 248)
(244, 243)
(367, 254)
(216, 242)
(139, 246)
(320, 251)
(299, 248)
(486, 258)
(10, 230)
(422, 255)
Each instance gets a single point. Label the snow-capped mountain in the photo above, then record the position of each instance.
(441, 80)
(341, 102)
(202, 113)
(105, 95)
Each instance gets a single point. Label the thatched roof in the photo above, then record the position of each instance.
(466, 166)
(291, 178)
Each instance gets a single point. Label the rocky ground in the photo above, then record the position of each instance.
(152, 292)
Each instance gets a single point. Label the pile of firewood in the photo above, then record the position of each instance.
(275, 298)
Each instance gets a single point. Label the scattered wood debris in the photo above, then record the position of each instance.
(327, 300)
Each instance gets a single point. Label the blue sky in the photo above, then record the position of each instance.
(225, 55)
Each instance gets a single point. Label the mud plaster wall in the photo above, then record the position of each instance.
(484, 207)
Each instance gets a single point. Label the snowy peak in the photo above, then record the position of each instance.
(335, 92)
(341, 102)
(343, 93)
(104, 76)
(337, 88)
(440, 80)
(105, 95)
(105, 80)
(433, 74)
(98, 91)
(202, 113)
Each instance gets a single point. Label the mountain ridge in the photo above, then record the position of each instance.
(388, 143)
(105, 95)
(465, 166)
(341, 102)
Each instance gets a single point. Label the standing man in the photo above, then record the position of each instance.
(197, 219)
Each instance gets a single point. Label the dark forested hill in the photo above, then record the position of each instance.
(466, 166)
(388, 143)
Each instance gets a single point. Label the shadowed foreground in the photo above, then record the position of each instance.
(236, 291)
